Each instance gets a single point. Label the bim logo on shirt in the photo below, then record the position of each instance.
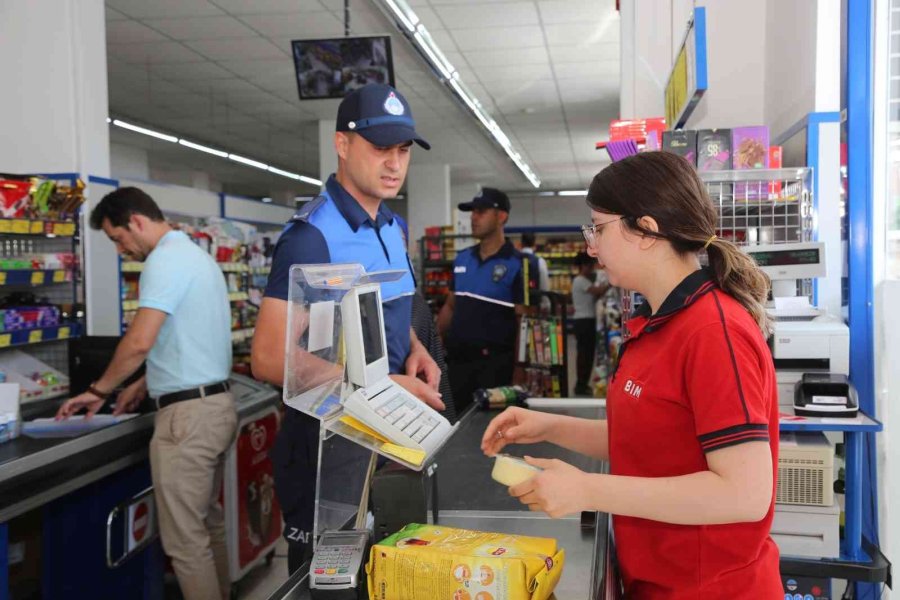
(634, 388)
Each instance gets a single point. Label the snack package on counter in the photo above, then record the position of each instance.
(499, 398)
(714, 150)
(431, 562)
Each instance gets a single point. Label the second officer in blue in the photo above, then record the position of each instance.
(478, 320)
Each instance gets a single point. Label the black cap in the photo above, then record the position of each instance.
(380, 114)
(487, 198)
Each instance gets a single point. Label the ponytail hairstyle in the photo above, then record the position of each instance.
(666, 187)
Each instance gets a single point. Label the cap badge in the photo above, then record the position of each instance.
(393, 105)
(351, 125)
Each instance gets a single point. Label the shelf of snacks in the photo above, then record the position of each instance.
(38, 335)
(41, 305)
(244, 255)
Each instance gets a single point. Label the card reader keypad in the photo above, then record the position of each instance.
(407, 415)
(333, 561)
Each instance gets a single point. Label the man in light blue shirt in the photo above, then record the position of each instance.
(183, 331)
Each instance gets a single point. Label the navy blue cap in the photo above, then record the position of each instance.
(487, 198)
(380, 114)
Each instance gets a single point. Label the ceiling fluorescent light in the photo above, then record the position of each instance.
(455, 84)
(302, 178)
(145, 131)
(310, 180)
(426, 47)
(206, 149)
(573, 193)
(404, 14)
(546, 193)
(427, 39)
(283, 173)
(249, 161)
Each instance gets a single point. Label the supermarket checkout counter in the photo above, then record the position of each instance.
(55, 492)
(468, 498)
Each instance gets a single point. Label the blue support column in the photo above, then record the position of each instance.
(860, 59)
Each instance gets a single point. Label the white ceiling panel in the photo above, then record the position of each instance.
(584, 52)
(237, 49)
(296, 25)
(129, 32)
(161, 9)
(497, 37)
(568, 34)
(546, 70)
(576, 11)
(604, 70)
(494, 58)
(517, 73)
(153, 53)
(508, 14)
(190, 72)
(242, 7)
(201, 28)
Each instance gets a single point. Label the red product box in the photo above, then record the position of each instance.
(775, 154)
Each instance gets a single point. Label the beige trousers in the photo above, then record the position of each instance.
(187, 455)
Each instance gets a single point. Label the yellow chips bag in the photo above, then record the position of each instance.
(431, 562)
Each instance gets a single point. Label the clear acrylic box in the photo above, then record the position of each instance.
(315, 383)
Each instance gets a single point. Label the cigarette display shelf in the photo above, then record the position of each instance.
(541, 350)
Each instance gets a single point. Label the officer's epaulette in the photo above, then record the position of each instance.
(309, 208)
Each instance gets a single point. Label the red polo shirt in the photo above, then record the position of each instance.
(694, 378)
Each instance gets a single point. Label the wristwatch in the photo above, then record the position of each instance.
(102, 395)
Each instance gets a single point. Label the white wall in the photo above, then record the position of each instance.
(128, 161)
(548, 211)
(887, 397)
(179, 199)
(54, 99)
(645, 56)
(736, 42)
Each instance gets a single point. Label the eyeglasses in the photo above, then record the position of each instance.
(592, 232)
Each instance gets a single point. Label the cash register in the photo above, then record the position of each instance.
(805, 339)
(377, 401)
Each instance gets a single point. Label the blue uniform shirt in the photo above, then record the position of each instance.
(486, 292)
(193, 347)
(334, 228)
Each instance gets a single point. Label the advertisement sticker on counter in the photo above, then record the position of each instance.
(259, 515)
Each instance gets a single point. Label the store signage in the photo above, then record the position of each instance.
(141, 522)
(688, 80)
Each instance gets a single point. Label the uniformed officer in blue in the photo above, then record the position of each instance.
(347, 223)
(478, 320)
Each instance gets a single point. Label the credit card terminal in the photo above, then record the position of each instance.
(337, 568)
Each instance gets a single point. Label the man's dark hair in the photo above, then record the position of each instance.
(120, 205)
(528, 240)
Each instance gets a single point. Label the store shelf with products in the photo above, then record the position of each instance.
(41, 298)
(438, 248)
(542, 365)
(558, 246)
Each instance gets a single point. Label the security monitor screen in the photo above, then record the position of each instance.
(371, 326)
(782, 258)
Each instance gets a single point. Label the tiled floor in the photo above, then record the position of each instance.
(264, 579)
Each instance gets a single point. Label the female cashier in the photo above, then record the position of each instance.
(691, 433)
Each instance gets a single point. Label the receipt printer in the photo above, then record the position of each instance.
(825, 395)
